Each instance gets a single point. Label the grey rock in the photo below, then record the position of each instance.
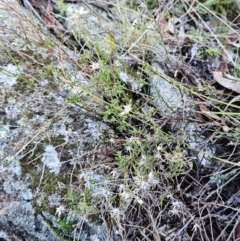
(166, 96)
(21, 214)
(4, 236)
(3, 222)
(17, 188)
(15, 168)
(26, 194)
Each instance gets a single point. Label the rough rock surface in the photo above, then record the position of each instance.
(27, 104)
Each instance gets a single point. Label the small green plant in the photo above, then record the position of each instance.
(217, 6)
(65, 226)
(73, 99)
(214, 52)
(152, 4)
(122, 160)
(218, 178)
(81, 200)
(60, 6)
(198, 35)
(48, 71)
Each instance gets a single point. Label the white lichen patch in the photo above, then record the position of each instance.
(51, 160)
(95, 129)
(14, 108)
(9, 75)
(4, 131)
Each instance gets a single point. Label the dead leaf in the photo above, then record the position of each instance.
(163, 24)
(233, 36)
(49, 19)
(227, 83)
(171, 25)
(168, 38)
(237, 232)
(233, 39)
(38, 4)
(199, 115)
(222, 66)
(232, 77)
(235, 99)
(205, 111)
(225, 58)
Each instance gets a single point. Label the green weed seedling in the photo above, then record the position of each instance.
(64, 227)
